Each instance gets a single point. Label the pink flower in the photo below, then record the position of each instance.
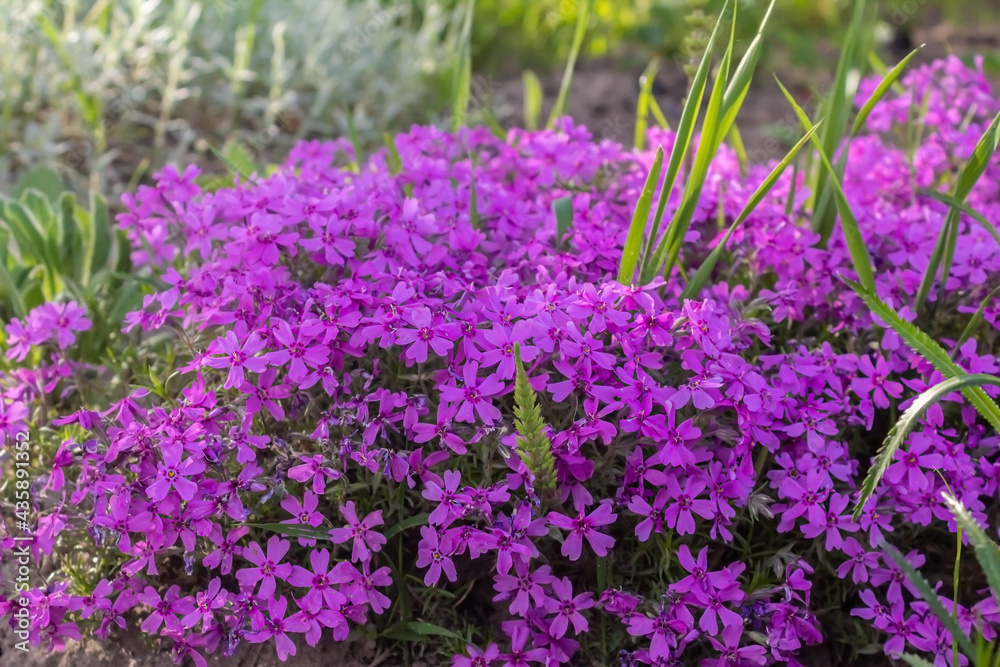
(171, 473)
(582, 526)
(237, 357)
(567, 608)
(475, 398)
(365, 540)
(275, 626)
(268, 568)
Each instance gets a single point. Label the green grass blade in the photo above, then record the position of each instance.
(563, 210)
(852, 233)
(640, 218)
(986, 549)
(473, 202)
(836, 110)
(532, 99)
(665, 256)
(10, 293)
(700, 278)
(741, 150)
(967, 179)
(964, 208)
(562, 101)
(932, 599)
(352, 133)
(685, 131)
(901, 430)
(737, 89)
(642, 107)
(462, 77)
(661, 120)
(915, 660)
(974, 323)
(880, 91)
(924, 345)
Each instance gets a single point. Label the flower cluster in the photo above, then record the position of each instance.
(342, 407)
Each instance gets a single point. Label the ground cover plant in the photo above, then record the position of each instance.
(531, 398)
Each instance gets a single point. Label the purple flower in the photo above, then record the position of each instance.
(172, 473)
(275, 627)
(567, 608)
(430, 554)
(582, 526)
(364, 539)
(475, 398)
(237, 357)
(876, 383)
(267, 568)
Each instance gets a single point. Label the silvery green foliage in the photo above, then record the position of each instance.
(81, 76)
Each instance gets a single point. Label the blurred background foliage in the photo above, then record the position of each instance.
(108, 91)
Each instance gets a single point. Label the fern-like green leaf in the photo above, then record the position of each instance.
(902, 428)
(932, 599)
(929, 350)
(533, 445)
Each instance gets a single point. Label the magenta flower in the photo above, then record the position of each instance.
(424, 335)
(429, 553)
(303, 513)
(265, 394)
(172, 473)
(876, 385)
(686, 504)
(582, 526)
(275, 626)
(365, 540)
(323, 578)
(62, 320)
(165, 610)
(730, 652)
(302, 349)
(313, 468)
(268, 567)
(450, 502)
(237, 357)
(205, 605)
(525, 588)
(475, 398)
(477, 657)
(567, 608)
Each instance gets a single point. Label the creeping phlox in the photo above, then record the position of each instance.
(346, 350)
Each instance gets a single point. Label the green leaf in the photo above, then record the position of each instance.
(293, 530)
(880, 91)
(533, 446)
(837, 108)
(352, 132)
(532, 99)
(905, 425)
(642, 107)
(239, 160)
(915, 660)
(41, 178)
(405, 524)
(10, 293)
(712, 132)
(640, 218)
(473, 202)
(462, 79)
(99, 238)
(964, 208)
(682, 140)
(737, 89)
(975, 321)
(701, 276)
(563, 209)
(986, 549)
(944, 249)
(562, 100)
(929, 350)
(419, 631)
(931, 598)
(852, 233)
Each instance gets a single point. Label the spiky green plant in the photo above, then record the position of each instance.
(533, 445)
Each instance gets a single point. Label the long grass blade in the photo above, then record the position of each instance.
(700, 278)
(975, 321)
(532, 99)
(836, 110)
(986, 549)
(852, 233)
(964, 208)
(640, 218)
(967, 179)
(562, 101)
(932, 599)
(901, 430)
(462, 78)
(929, 350)
(684, 134)
(665, 255)
(883, 87)
(642, 107)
